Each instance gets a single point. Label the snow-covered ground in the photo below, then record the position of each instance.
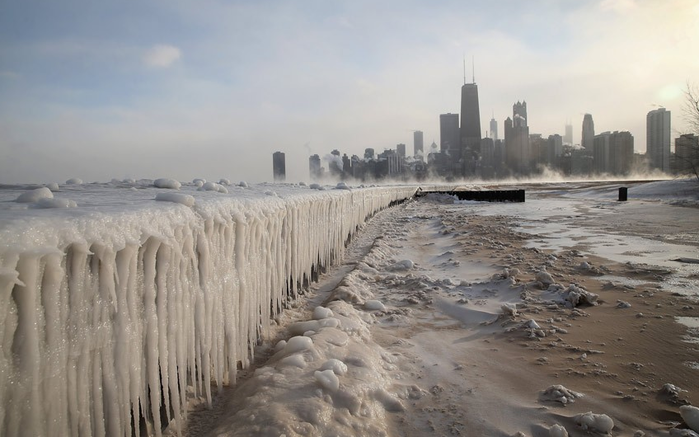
(558, 316)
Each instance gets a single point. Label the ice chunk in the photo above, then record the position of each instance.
(590, 421)
(327, 379)
(35, 195)
(559, 393)
(322, 313)
(509, 309)
(184, 199)
(374, 305)
(341, 186)
(690, 415)
(557, 431)
(56, 203)
(224, 181)
(298, 344)
(544, 277)
(74, 181)
(167, 183)
(337, 366)
(243, 184)
(213, 186)
(405, 264)
(53, 186)
(199, 182)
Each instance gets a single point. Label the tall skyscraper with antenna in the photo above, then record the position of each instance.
(493, 128)
(470, 118)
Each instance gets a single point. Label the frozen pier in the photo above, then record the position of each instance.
(114, 311)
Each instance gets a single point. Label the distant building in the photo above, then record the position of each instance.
(314, 167)
(568, 137)
(601, 153)
(368, 153)
(449, 135)
(400, 149)
(588, 133)
(493, 129)
(518, 153)
(554, 149)
(418, 148)
(686, 154)
(279, 166)
(621, 153)
(658, 139)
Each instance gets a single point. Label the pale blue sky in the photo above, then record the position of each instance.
(102, 90)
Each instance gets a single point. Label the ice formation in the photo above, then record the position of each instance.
(112, 314)
(690, 415)
(34, 195)
(167, 183)
(590, 421)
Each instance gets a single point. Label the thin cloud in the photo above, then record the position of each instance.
(162, 56)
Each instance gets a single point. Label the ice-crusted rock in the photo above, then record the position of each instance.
(374, 305)
(671, 393)
(590, 421)
(690, 415)
(575, 296)
(559, 393)
(545, 278)
(557, 431)
(509, 309)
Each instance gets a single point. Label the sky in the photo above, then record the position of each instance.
(210, 89)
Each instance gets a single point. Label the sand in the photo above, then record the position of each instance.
(457, 363)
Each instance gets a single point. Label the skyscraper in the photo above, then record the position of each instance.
(493, 129)
(418, 148)
(519, 114)
(658, 139)
(568, 138)
(588, 133)
(279, 166)
(400, 150)
(314, 167)
(449, 135)
(470, 119)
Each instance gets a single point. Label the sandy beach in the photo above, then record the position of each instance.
(464, 318)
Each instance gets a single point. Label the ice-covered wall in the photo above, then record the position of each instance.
(114, 310)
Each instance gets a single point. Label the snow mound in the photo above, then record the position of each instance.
(690, 415)
(298, 344)
(315, 187)
(557, 431)
(35, 195)
(224, 181)
(600, 423)
(558, 393)
(545, 278)
(243, 184)
(199, 182)
(53, 186)
(167, 183)
(74, 181)
(184, 199)
(49, 203)
(341, 186)
(509, 309)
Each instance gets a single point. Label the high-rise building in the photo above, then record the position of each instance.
(686, 154)
(493, 129)
(279, 166)
(658, 139)
(519, 114)
(470, 120)
(554, 149)
(314, 167)
(621, 153)
(568, 137)
(368, 153)
(601, 153)
(588, 133)
(400, 149)
(449, 135)
(418, 148)
(517, 147)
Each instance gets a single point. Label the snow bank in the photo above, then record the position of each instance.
(109, 313)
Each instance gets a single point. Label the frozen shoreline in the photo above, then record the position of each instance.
(450, 300)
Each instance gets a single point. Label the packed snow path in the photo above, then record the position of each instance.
(112, 310)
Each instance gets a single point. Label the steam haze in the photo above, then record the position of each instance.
(211, 89)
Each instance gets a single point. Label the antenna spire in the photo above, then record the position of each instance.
(464, 69)
(473, 64)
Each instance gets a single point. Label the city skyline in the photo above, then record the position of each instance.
(212, 90)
